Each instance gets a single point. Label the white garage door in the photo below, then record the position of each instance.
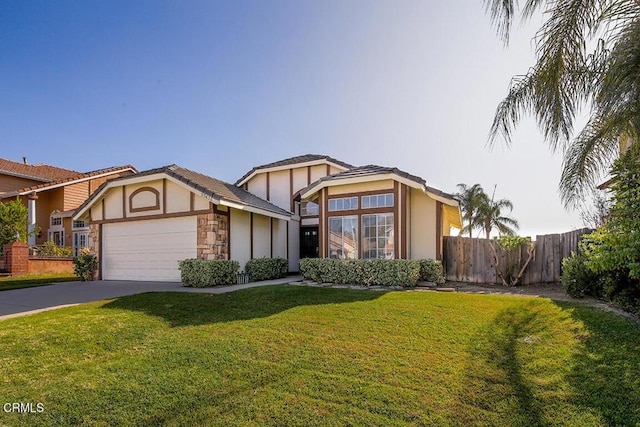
(149, 249)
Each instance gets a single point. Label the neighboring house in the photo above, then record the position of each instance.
(51, 195)
(304, 206)
(142, 225)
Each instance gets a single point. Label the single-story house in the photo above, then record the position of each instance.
(304, 206)
(142, 225)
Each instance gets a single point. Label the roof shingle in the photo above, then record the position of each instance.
(39, 172)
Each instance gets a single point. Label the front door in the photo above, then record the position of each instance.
(309, 242)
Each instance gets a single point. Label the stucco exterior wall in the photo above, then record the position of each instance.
(261, 236)
(258, 185)
(178, 198)
(361, 187)
(422, 212)
(113, 204)
(279, 238)
(279, 191)
(240, 224)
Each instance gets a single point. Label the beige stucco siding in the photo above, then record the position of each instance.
(240, 236)
(294, 246)
(300, 179)
(258, 185)
(279, 192)
(423, 229)
(178, 198)
(318, 172)
(261, 236)
(279, 238)
(386, 184)
(96, 212)
(113, 204)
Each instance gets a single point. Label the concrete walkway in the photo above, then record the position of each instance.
(18, 302)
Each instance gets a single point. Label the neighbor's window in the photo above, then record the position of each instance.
(56, 221)
(343, 237)
(308, 209)
(377, 201)
(80, 224)
(377, 236)
(343, 204)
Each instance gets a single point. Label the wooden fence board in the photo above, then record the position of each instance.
(471, 259)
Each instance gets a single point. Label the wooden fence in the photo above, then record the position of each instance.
(472, 260)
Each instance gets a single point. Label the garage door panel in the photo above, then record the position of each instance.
(148, 250)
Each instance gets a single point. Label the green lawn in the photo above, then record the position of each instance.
(32, 280)
(292, 355)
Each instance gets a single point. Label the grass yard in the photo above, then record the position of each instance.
(292, 355)
(32, 280)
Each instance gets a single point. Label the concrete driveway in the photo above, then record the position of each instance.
(18, 302)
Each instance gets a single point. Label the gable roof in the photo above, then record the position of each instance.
(75, 178)
(291, 161)
(218, 191)
(379, 172)
(38, 172)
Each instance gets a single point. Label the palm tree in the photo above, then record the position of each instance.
(470, 198)
(490, 216)
(568, 76)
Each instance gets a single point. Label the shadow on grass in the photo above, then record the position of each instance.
(496, 384)
(606, 373)
(191, 309)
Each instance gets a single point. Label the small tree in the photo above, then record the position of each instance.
(510, 247)
(13, 222)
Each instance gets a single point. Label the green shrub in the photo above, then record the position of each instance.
(267, 268)
(396, 272)
(50, 249)
(85, 266)
(200, 273)
(579, 280)
(431, 271)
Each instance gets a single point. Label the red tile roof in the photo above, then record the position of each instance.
(77, 176)
(39, 172)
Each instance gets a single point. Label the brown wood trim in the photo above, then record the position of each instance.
(438, 230)
(403, 224)
(157, 216)
(192, 201)
(104, 210)
(100, 259)
(364, 193)
(124, 202)
(268, 186)
(291, 188)
(287, 240)
(271, 230)
(219, 212)
(251, 236)
(145, 208)
(391, 209)
(328, 169)
(321, 224)
(228, 234)
(396, 220)
(164, 195)
(308, 175)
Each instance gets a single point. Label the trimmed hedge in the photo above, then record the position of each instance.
(267, 268)
(379, 272)
(431, 270)
(200, 273)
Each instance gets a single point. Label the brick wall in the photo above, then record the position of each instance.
(16, 258)
(213, 232)
(50, 265)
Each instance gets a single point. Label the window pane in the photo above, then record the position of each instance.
(378, 236)
(389, 200)
(332, 205)
(365, 202)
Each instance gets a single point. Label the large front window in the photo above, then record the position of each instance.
(377, 236)
(343, 237)
(343, 204)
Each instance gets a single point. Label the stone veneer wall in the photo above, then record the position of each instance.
(213, 234)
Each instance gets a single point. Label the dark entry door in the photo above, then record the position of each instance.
(309, 242)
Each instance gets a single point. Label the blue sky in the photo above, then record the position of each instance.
(222, 86)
